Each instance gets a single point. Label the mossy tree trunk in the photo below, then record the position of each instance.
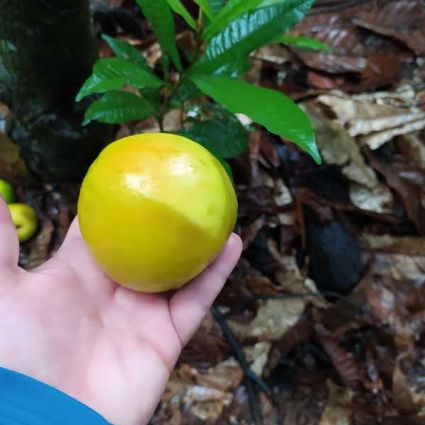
(47, 49)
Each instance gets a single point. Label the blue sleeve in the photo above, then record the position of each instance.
(25, 401)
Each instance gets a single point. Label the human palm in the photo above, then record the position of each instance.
(113, 349)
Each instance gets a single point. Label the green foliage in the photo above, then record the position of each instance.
(301, 42)
(126, 51)
(270, 108)
(236, 8)
(114, 73)
(116, 107)
(185, 91)
(227, 32)
(206, 7)
(216, 5)
(228, 51)
(181, 10)
(159, 15)
(215, 132)
(227, 14)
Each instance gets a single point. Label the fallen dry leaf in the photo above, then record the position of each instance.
(373, 57)
(374, 141)
(410, 267)
(207, 347)
(275, 317)
(250, 232)
(404, 245)
(282, 195)
(377, 117)
(404, 20)
(225, 376)
(305, 405)
(206, 403)
(273, 53)
(345, 363)
(388, 307)
(402, 394)
(269, 154)
(201, 395)
(378, 199)
(413, 148)
(408, 383)
(338, 409)
(409, 190)
(39, 251)
(12, 166)
(257, 355)
(338, 147)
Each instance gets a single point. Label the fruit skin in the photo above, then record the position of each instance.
(7, 192)
(155, 210)
(25, 220)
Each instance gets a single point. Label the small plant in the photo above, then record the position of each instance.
(225, 34)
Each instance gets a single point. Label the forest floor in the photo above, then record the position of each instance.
(322, 322)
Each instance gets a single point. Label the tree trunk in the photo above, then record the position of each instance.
(47, 49)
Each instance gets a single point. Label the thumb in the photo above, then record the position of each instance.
(9, 244)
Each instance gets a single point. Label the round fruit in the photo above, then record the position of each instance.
(25, 220)
(155, 210)
(6, 191)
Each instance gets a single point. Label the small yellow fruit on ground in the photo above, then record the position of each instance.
(6, 191)
(25, 220)
(155, 210)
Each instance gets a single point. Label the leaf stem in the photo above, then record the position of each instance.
(160, 120)
(200, 21)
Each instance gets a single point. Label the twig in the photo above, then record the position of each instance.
(251, 377)
(253, 402)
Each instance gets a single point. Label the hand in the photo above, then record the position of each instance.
(113, 349)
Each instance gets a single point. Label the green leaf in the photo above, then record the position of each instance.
(265, 3)
(160, 17)
(233, 9)
(216, 5)
(117, 107)
(185, 91)
(113, 74)
(301, 42)
(153, 96)
(126, 51)
(96, 84)
(228, 51)
(181, 10)
(223, 135)
(205, 7)
(270, 108)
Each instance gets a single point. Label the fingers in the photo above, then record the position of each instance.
(190, 304)
(9, 244)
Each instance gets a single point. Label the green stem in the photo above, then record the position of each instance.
(185, 73)
(161, 123)
(200, 22)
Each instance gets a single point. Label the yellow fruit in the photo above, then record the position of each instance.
(6, 191)
(25, 220)
(155, 210)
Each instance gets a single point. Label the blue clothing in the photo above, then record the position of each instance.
(25, 401)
